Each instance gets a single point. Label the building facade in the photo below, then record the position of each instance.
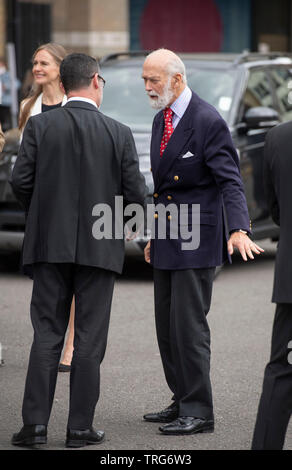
(96, 27)
(100, 27)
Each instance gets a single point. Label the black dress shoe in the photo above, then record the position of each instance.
(76, 438)
(188, 425)
(165, 416)
(30, 435)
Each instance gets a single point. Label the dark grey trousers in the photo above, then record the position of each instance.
(53, 289)
(182, 301)
(275, 405)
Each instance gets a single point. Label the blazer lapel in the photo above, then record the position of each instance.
(157, 133)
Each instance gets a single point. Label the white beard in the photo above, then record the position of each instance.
(164, 99)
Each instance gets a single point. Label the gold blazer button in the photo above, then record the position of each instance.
(176, 178)
(169, 198)
(155, 216)
(155, 195)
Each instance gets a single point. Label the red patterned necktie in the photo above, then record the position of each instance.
(168, 129)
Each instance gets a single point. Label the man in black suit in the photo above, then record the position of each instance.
(70, 160)
(275, 405)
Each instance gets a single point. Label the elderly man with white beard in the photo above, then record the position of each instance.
(193, 162)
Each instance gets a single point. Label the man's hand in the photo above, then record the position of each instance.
(131, 235)
(244, 244)
(147, 252)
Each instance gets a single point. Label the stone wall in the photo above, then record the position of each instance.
(96, 27)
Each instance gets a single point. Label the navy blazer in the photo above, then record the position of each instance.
(209, 178)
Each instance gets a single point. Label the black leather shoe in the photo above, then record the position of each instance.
(165, 416)
(188, 425)
(76, 438)
(30, 435)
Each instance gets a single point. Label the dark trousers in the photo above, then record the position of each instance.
(275, 405)
(53, 288)
(182, 301)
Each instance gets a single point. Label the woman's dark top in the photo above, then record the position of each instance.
(47, 107)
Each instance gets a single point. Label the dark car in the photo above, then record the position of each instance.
(252, 92)
(12, 219)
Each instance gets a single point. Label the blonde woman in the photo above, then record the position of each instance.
(46, 94)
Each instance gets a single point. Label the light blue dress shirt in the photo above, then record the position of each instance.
(180, 105)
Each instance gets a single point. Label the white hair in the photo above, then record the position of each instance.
(176, 65)
(173, 65)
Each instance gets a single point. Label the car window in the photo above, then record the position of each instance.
(282, 81)
(258, 91)
(125, 98)
(214, 86)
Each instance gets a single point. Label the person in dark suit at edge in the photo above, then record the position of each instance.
(275, 406)
(71, 159)
(193, 161)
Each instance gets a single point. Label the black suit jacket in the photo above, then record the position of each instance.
(71, 159)
(278, 186)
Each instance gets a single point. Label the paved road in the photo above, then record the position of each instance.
(131, 378)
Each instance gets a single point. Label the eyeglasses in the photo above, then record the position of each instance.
(102, 79)
(99, 78)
